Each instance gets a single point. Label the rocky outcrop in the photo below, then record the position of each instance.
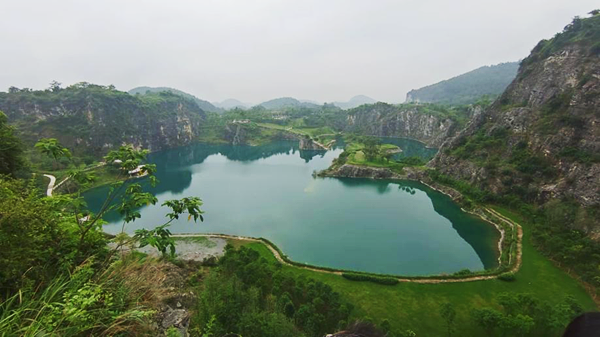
(236, 133)
(541, 139)
(370, 172)
(385, 120)
(306, 143)
(93, 119)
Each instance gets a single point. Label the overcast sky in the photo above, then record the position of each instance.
(324, 50)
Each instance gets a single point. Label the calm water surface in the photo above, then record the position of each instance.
(268, 191)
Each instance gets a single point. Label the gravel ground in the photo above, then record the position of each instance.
(196, 249)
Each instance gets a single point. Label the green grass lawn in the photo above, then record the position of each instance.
(417, 305)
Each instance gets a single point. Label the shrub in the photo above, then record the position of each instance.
(463, 272)
(375, 279)
(507, 277)
(38, 240)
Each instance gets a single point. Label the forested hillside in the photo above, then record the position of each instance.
(286, 102)
(204, 105)
(469, 87)
(93, 119)
(537, 147)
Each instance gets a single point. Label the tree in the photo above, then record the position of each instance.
(449, 315)
(594, 12)
(371, 149)
(52, 148)
(488, 318)
(160, 237)
(132, 197)
(11, 149)
(55, 86)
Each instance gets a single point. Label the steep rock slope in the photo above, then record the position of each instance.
(406, 121)
(92, 119)
(541, 139)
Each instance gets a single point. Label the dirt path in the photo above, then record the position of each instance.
(280, 259)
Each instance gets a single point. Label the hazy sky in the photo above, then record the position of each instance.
(324, 50)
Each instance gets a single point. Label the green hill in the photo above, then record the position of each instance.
(469, 87)
(204, 105)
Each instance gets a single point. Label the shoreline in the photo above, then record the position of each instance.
(283, 259)
(392, 177)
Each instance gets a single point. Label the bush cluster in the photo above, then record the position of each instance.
(375, 279)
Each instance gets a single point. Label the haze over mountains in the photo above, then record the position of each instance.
(232, 103)
(468, 87)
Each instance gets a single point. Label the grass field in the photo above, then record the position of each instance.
(417, 305)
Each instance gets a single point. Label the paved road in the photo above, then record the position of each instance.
(51, 184)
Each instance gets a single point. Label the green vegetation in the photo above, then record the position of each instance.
(95, 119)
(57, 274)
(580, 32)
(549, 229)
(375, 279)
(468, 88)
(11, 149)
(259, 125)
(248, 295)
(204, 105)
(405, 305)
(368, 151)
(200, 240)
(459, 113)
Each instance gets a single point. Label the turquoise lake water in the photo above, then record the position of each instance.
(268, 191)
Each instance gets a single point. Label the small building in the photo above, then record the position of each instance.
(138, 172)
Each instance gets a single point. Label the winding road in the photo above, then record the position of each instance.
(51, 184)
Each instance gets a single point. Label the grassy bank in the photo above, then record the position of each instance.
(416, 306)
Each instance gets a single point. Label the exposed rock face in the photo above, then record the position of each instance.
(309, 144)
(235, 133)
(544, 131)
(386, 120)
(246, 133)
(356, 171)
(93, 119)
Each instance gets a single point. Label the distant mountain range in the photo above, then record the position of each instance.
(355, 101)
(287, 102)
(204, 105)
(468, 87)
(231, 104)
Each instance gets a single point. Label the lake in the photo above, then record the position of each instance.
(268, 191)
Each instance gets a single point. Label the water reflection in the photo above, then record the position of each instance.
(308, 155)
(410, 148)
(470, 228)
(381, 226)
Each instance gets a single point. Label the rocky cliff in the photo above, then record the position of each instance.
(541, 139)
(406, 121)
(92, 119)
